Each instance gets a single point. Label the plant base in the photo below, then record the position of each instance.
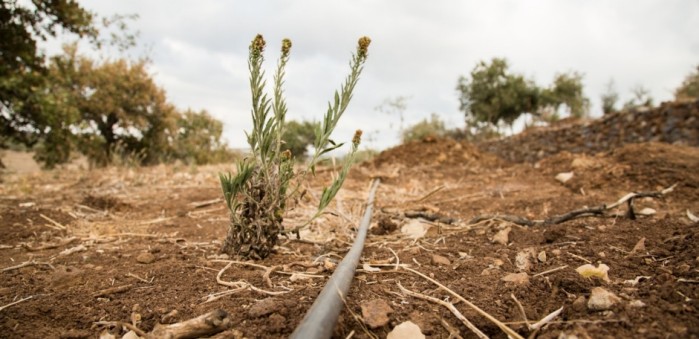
(254, 241)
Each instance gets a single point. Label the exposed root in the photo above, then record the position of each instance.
(240, 285)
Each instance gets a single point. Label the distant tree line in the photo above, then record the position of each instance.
(493, 96)
(104, 109)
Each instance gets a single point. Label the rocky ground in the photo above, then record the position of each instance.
(84, 252)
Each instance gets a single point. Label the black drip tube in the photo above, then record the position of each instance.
(320, 320)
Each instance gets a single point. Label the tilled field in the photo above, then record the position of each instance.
(83, 253)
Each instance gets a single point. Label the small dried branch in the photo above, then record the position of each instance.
(492, 319)
(550, 271)
(430, 217)
(449, 306)
(202, 326)
(25, 264)
(521, 309)
(206, 203)
(112, 290)
(546, 319)
(54, 222)
(599, 211)
(15, 302)
(49, 246)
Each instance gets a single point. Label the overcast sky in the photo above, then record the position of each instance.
(419, 49)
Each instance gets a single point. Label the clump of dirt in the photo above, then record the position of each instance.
(104, 202)
(645, 166)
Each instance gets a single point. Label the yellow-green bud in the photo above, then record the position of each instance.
(357, 137)
(286, 47)
(363, 46)
(257, 46)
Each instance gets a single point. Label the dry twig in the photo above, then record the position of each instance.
(449, 306)
(25, 264)
(112, 290)
(492, 319)
(599, 211)
(15, 302)
(550, 271)
(521, 309)
(56, 223)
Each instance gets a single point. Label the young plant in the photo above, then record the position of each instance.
(257, 194)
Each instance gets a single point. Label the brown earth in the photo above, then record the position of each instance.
(141, 246)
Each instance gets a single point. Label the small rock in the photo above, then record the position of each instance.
(145, 258)
(637, 303)
(440, 260)
(414, 229)
(106, 335)
(542, 256)
(130, 335)
(564, 176)
(579, 304)
(522, 260)
(406, 330)
(556, 252)
(264, 307)
(502, 237)
(517, 278)
(602, 255)
(640, 246)
(601, 299)
(329, 265)
(375, 312)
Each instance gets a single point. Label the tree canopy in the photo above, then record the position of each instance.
(23, 67)
(68, 102)
(690, 86)
(493, 95)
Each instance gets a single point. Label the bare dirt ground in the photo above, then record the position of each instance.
(81, 249)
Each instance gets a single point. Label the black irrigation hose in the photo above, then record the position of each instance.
(320, 320)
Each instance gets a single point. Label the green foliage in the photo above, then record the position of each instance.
(493, 95)
(117, 102)
(434, 127)
(198, 139)
(111, 111)
(258, 193)
(690, 86)
(609, 98)
(567, 89)
(27, 107)
(298, 136)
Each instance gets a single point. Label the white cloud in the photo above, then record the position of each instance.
(419, 49)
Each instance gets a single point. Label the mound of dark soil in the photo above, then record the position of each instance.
(671, 122)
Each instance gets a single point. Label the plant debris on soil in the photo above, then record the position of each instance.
(132, 250)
